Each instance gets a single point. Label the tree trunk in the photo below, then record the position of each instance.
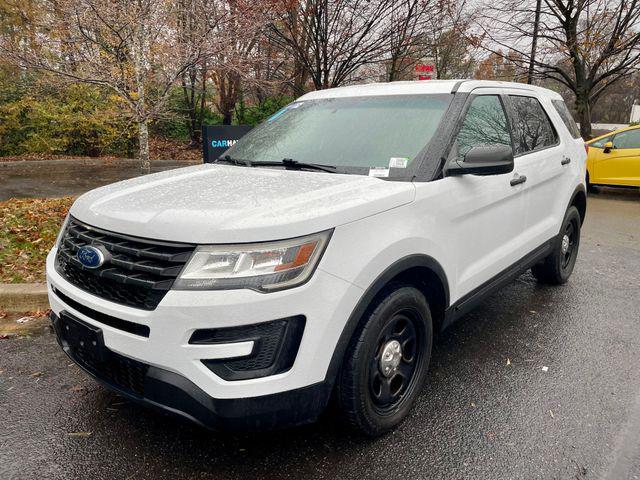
(583, 108)
(391, 77)
(143, 139)
(188, 92)
(203, 101)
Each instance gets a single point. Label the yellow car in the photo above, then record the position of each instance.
(614, 158)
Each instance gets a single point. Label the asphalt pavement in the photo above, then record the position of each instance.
(538, 382)
(58, 178)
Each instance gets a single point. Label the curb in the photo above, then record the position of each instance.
(23, 297)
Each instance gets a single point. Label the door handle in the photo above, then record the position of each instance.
(565, 161)
(518, 180)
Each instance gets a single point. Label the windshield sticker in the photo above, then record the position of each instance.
(398, 162)
(378, 172)
(283, 110)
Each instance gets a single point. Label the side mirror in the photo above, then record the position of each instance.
(607, 147)
(484, 160)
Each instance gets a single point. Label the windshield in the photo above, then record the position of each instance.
(365, 132)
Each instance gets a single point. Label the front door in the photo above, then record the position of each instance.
(485, 212)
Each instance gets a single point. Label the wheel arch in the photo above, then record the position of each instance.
(422, 271)
(579, 200)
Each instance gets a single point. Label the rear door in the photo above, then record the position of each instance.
(621, 165)
(541, 157)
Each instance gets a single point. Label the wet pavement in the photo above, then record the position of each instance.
(489, 409)
(57, 178)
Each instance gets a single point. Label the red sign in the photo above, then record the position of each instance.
(425, 68)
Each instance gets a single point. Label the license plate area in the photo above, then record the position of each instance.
(84, 340)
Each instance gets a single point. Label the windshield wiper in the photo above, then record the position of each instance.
(233, 161)
(294, 164)
(291, 164)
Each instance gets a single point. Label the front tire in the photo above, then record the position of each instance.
(387, 360)
(558, 266)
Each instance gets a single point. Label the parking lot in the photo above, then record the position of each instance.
(539, 382)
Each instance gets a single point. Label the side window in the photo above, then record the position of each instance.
(532, 128)
(485, 123)
(566, 117)
(600, 143)
(628, 139)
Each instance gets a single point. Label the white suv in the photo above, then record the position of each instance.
(318, 256)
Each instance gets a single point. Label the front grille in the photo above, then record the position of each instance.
(137, 272)
(125, 373)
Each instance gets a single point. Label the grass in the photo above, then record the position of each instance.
(29, 230)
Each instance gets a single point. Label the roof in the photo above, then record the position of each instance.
(613, 132)
(423, 87)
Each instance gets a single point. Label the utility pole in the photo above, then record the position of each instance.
(534, 42)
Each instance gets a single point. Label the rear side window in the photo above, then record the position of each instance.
(566, 117)
(628, 139)
(485, 123)
(532, 128)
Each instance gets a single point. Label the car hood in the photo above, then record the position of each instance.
(225, 204)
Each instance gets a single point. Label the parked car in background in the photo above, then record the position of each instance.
(614, 158)
(318, 256)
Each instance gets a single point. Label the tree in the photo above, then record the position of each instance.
(332, 39)
(501, 66)
(406, 36)
(586, 45)
(451, 54)
(126, 46)
(236, 36)
(193, 22)
(450, 43)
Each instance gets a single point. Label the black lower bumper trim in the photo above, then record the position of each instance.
(175, 394)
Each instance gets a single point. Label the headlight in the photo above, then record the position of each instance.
(258, 266)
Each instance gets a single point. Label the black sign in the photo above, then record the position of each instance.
(216, 139)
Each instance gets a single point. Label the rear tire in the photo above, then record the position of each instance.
(558, 266)
(386, 362)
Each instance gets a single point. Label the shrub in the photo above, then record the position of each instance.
(74, 119)
(254, 114)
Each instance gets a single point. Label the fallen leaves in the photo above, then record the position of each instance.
(80, 434)
(30, 228)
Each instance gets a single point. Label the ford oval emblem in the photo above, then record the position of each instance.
(90, 257)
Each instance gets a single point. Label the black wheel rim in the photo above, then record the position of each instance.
(388, 390)
(571, 236)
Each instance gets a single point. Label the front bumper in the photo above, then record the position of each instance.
(325, 301)
(171, 393)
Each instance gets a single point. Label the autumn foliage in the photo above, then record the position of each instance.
(29, 230)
